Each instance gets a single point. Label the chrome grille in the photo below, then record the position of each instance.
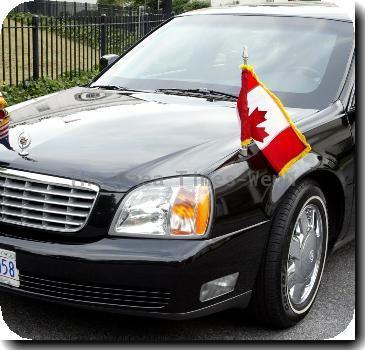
(45, 202)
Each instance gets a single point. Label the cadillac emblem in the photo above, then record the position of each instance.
(24, 142)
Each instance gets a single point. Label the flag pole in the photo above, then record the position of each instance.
(245, 55)
(244, 149)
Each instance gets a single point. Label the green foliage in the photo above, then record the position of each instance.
(152, 4)
(36, 88)
(195, 5)
(117, 38)
(180, 6)
(18, 16)
(112, 2)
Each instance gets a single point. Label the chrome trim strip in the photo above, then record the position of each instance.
(220, 238)
(51, 192)
(23, 175)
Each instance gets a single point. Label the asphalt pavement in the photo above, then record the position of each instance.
(330, 315)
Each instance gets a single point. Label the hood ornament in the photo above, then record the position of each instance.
(24, 142)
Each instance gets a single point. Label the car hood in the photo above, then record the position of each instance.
(119, 140)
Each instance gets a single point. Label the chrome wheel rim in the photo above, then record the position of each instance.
(304, 263)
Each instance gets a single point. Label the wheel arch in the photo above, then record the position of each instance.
(332, 189)
(334, 193)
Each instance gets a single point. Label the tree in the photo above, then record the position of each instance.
(151, 4)
(112, 2)
(180, 6)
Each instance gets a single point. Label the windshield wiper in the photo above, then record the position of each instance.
(117, 88)
(206, 93)
(110, 87)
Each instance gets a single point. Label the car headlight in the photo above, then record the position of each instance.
(172, 208)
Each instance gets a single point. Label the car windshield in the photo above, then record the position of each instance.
(303, 60)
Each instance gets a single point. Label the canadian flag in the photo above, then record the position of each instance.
(263, 119)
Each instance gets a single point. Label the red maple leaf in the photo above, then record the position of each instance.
(258, 133)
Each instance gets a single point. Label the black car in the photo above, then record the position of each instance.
(132, 194)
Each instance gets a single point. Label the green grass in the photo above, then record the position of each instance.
(11, 46)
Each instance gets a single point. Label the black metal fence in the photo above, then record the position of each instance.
(36, 47)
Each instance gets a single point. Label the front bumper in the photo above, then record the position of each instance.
(159, 278)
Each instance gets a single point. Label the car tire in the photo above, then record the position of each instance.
(292, 266)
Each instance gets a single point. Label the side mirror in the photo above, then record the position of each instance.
(107, 60)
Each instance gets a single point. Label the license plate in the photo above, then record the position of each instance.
(8, 272)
